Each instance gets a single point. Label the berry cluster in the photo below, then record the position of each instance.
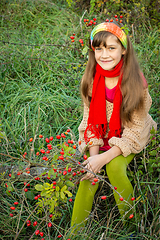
(90, 22)
(116, 18)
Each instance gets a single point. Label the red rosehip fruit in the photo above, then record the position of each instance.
(95, 179)
(74, 146)
(35, 223)
(37, 232)
(68, 130)
(59, 236)
(103, 197)
(85, 157)
(42, 151)
(31, 139)
(51, 138)
(58, 136)
(133, 198)
(64, 172)
(10, 175)
(51, 215)
(26, 190)
(40, 136)
(41, 234)
(131, 216)
(121, 199)
(37, 153)
(115, 188)
(93, 183)
(15, 203)
(49, 224)
(47, 140)
(70, 200)
(12, 208)
(11, 214)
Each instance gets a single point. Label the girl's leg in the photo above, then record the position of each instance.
(116, 171)
(83, 203)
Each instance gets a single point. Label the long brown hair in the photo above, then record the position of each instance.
(132, 83)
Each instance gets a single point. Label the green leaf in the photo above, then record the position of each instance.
(63, 188)
(68, 193)
(39, 187)
(43, 193)
(29, 195)
(57, 188)
(62, 195)
(153, 153)
(69, 184)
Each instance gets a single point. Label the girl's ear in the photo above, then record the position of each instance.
(123, 51)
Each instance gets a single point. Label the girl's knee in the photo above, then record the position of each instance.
(117, 165)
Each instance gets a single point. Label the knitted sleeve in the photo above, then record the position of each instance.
(82, 128)
(136, 135)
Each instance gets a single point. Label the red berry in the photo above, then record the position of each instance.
(62, 152)
(74, 146)
(95, 179)
(71, 141)
(40, 136)
(107, 20)
(69, 169)
(35, 223)
(74, 174)
(59, 236)
(115, 16)
(64, 172)
(121, 199)
(37, 153)
(51, 215)
(36, 197)
(61, 157)
(37, 232)
(48, 151)
(31, 139)
(11, 214)
(41, 234)
(45, 158)
(49, 224)
(51, 138)
(47, 140)
(111, 20)
(121, 16)
(93, 183)
(26, 190)
(70, 200)
(85, 157)
(120, 21)
(132, 198)
(10, 175)
(79, 142)
(94, 19)
(94, 23)
(85, 20)
(54, 183)
(115, 188)
(42, 151)
(12, 208)
(71, 37)
(58, 136)
(68, 130)
(103, 197)
(18, 173)
(15, 203)
(117, 19)
(78, 172)
(131, 216)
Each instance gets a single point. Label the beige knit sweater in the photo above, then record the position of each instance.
(134, 136)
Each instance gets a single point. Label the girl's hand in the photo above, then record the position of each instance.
(94, 164)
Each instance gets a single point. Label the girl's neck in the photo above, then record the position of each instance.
(111, 82)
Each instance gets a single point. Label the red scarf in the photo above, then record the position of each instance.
(97, 121)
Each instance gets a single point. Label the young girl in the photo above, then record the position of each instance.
(115, 120)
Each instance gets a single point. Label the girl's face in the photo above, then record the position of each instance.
(108, 57)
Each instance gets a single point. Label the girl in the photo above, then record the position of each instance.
(115, 120)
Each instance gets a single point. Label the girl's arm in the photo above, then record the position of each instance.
(96, 162)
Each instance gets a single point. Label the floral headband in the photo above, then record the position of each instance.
(112, 28)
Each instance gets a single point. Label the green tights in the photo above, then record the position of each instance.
(116, 171)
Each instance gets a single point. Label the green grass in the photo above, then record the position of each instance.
(40, 77)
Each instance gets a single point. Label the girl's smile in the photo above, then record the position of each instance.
(108, 57)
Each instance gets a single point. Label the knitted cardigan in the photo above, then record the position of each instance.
(134, 137)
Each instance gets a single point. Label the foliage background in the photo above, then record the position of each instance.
(41, 70)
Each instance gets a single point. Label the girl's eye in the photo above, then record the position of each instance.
(98, 48)
(111, 48)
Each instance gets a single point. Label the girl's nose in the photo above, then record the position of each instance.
(105, 53)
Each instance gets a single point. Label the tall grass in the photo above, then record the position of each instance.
(40, 77)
